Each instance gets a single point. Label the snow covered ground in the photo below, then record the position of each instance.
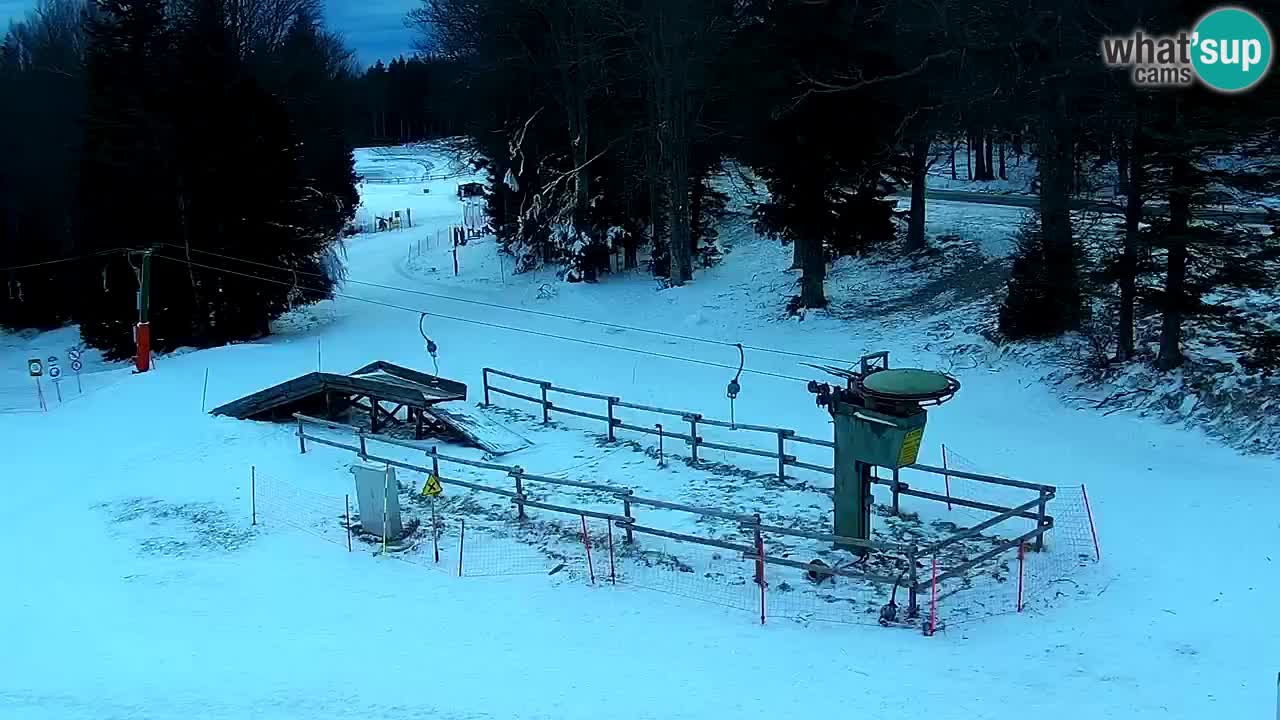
(139, 589)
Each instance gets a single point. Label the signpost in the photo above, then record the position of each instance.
(55, 374)
(76, 365)
(35, 368)
(433, 490)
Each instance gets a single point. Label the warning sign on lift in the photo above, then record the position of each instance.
(910, 447)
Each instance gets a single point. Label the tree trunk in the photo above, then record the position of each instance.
(1175, 289)
(1131, 156)
(1003, 174)
(813, 273)
(630, 257)
(953, 160)
(678, 204)
(968, 157)
(975, 141)
(1122, 166)
(989, 166)
(1056, 168)
(797, 255)
(582, 199)
(919, 167)
(696, 193)
(651, 174)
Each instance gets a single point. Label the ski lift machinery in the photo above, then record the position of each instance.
(879, 417)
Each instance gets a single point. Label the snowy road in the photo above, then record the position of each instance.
(137, 588)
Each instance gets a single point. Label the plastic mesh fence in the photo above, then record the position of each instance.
(1012, 579)
(689, 570)
(804, 596)
(280, 503)
(1069, 549)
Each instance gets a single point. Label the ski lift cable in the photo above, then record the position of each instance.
(64, 260)
(543, 313)
(497, 326)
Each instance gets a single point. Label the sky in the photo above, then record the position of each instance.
(373, 28)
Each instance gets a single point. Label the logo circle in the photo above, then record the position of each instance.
(1231, 50)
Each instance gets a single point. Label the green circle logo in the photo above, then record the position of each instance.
(1231, 49)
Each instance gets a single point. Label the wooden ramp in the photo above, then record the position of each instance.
(379, 382)
(487, 434)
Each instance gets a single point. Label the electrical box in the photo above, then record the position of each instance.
(876, 438)
(378, 500)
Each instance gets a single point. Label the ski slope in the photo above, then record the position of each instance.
(137, 587)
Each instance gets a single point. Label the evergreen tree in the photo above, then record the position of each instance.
(188, 152)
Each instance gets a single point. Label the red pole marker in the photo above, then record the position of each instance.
(143, 359)
(1097, 552)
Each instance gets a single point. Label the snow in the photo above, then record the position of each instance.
(139, 589)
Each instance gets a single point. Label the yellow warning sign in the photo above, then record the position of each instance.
(432, 487)
(910, 447)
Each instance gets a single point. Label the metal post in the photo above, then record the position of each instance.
(435, 462)
(253, 495)
(932, 625)
(435, 533)
(204, 394)
(1040, 520)
(895, 492)
(611, 400)
(1093, 530)
(626, 512)
(346, 499)
(946, 479)
(1021, 560)
(462, 536)
(913, 610)
(659, 427)
(613, 573)
(546, 407)
(364, 454)
(586, 542)
(517, 473)
(485, 375)
(693, 434)
(782, 454)
(386, 483)
(302, 439)
(760, 567)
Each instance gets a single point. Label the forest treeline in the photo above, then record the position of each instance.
(182, 126)
(603, 123)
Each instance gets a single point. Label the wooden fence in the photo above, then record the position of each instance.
(751, 546)
(778, 446)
